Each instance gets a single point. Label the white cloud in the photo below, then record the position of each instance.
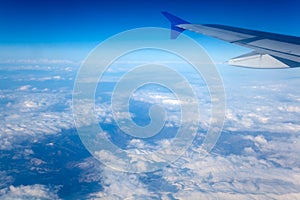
(48, 78)
(289, 108)
(231, 176)
(266, 168)
(233, 196)
(120, 185)
(214, 176)
(37, 61)
(27, 115)
(5, 180)
(258, 140)
(29, 192)
(24, 87)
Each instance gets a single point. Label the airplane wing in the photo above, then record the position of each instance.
(270, 50)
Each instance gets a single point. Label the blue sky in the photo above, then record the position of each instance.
(58, 26)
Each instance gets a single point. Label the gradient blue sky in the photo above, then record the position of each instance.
(73, 23)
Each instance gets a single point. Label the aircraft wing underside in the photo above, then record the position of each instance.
(270, 50)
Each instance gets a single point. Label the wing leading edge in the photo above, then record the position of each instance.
(271, 50)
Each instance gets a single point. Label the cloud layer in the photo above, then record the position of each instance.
(257, 155)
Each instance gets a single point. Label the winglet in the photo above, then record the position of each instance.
(175, 30)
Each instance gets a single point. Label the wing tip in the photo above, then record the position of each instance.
(174, 20)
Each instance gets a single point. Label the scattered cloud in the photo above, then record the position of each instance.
(120, 185)
(28, 114)
(29, 192)
(25, 87)
(262, 119)
(37, 61)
